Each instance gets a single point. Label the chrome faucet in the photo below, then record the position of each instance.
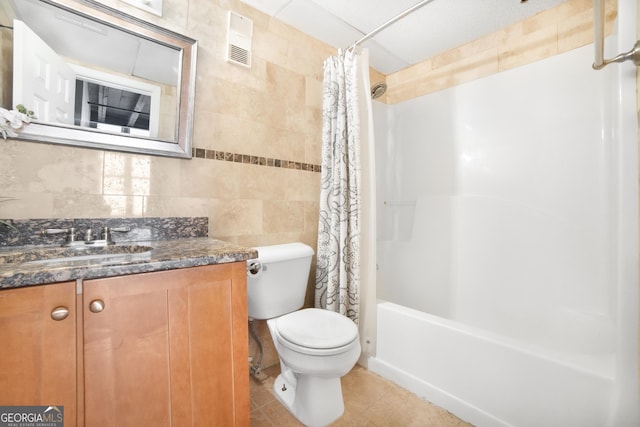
(71, 234)
(106, 233)
(91, 237)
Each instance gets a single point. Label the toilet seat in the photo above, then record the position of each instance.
(315, 331)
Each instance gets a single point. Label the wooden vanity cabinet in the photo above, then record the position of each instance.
(38, 347)
(155, 349)
(167, 348)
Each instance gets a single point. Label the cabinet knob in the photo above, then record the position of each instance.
(96, 306)
(60, 313)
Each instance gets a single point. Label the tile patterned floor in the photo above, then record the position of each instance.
(369, 400)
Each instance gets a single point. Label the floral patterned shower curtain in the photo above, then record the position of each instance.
(338, 276)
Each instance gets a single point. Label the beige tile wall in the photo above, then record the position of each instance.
(271, 110)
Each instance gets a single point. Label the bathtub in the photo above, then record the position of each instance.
(498, 312)
(488, 379)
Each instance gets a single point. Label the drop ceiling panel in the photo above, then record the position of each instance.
(368, 15)
(316, 21)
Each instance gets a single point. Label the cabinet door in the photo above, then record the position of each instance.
(37, 352)
(167, 348)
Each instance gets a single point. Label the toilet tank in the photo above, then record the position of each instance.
(279, 283)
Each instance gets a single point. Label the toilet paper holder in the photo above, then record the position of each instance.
(254, 267)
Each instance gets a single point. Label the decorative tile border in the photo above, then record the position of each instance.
(203, 153)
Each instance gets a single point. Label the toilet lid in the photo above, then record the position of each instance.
(317, 328)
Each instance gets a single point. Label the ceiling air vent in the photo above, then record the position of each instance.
(239, 35)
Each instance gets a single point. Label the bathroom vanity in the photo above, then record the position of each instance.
(156, 340)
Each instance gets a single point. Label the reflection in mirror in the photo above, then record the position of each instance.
(118, 110)
(96, 77)
(122, 105)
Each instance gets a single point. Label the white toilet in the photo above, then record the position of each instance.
(316, 347)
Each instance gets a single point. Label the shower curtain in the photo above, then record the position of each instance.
(345, 273)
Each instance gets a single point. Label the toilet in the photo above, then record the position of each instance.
(316, 347)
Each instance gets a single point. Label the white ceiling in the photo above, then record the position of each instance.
(438, 26)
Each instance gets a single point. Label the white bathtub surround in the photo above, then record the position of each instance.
(507, 240)
(345, 273)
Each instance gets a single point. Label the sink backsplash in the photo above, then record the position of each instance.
(27, 231)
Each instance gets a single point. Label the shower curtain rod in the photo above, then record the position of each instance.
(391, 21)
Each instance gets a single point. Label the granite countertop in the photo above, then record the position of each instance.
(18, 270)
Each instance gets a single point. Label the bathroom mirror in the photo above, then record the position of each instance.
(96, 77)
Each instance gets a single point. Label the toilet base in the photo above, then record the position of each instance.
(314, 401)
